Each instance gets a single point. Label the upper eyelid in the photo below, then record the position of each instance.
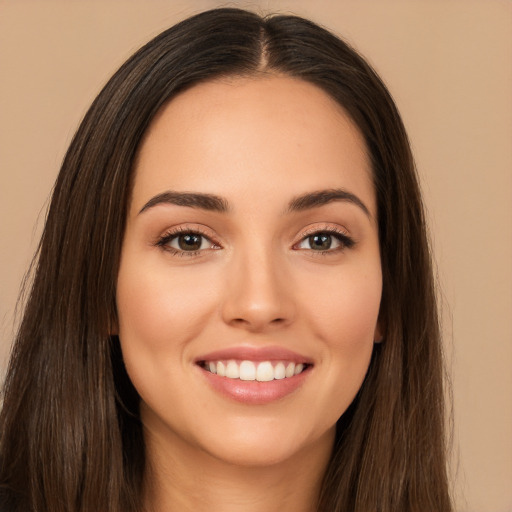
(335, 230)
(208, 233)
(188, 228)
(170, 233)
(322, 228)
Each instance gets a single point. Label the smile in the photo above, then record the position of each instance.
(261, 371)
(255, 375)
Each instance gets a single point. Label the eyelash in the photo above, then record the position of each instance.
(344, 240)
(170, 235)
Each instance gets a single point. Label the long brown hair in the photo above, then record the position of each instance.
(70, 434)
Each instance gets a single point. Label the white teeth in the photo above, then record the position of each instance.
(251, 371)
(279, 371)
(265, 372)
(290, 369)
(247, 370)
(232, 370)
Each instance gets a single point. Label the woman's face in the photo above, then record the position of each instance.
(250, 279)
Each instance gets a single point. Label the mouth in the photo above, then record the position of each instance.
(260, 371)
(255, 375)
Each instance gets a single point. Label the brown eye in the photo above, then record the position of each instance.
(320, 242)
(183, 242)
(189, 242)
(326, 242)
(186, 242)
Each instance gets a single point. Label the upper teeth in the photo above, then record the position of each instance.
(248, 370)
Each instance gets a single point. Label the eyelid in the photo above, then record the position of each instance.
(323, 227)
(174, 231)
(337, 231)
(341, 233)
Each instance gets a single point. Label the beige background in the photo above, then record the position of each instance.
(448, 64)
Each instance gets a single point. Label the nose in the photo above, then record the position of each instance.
(259, 293)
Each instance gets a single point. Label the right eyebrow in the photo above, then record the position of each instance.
(208, 202)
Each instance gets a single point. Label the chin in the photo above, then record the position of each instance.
(263, 444)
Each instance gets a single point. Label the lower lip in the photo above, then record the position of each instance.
(253, 392)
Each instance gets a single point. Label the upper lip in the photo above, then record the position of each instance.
(251, 353)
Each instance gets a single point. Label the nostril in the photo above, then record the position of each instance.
(256, 324)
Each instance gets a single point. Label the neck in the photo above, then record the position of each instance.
(182, 479)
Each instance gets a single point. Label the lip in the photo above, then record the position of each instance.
(254, 392)
(241, 353)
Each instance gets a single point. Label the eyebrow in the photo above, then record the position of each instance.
(215, 203)
(208, 202)
(323, 197)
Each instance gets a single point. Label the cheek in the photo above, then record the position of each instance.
(345, 314)
(159, 310)
(159, 313)
(342, 312)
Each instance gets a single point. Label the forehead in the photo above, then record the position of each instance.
(266, 133)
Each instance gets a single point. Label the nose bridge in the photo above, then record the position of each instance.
(257, 292)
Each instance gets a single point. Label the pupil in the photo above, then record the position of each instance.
(320, 242)
(189, 242)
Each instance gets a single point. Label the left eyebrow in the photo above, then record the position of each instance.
(323, 197)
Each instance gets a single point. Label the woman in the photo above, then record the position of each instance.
(233, 306)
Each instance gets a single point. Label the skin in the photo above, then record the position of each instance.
(258, 143)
